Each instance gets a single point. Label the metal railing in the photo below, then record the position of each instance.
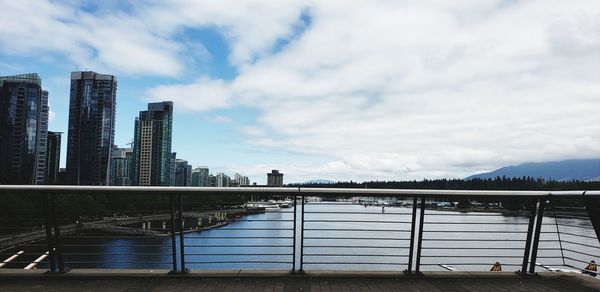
(178, 228)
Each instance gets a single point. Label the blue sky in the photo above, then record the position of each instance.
(357, 90)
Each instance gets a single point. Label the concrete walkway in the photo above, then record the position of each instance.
(141, 281)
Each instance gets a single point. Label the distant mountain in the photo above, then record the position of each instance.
(575, 169)
(318, 181)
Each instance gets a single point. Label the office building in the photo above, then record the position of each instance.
(200, 177)
(53, 157)
(172, 169)
(154, 161)
(183, 173)
(222, 180)
(23, 129)
(119, 174)
(212, 181)
(241, 180)
(275, 178)
(62, 175)
(91, 128)
(130, 157)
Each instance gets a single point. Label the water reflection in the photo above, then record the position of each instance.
(340, 237)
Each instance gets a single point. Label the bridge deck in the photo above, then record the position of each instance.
(132, 280)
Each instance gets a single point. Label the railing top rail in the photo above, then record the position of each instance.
(143, 190)
(443, 193)
(285, 190)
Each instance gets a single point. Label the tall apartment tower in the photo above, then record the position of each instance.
(154, 161)
(91, 128)
(172, 168)
(23, 129)
(241, 180)
(275, 178)
(222, 180)
(53, 157)
(183, 173)
(200, 177)
(120, 167)
(212, 180)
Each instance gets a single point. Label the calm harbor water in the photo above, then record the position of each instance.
(341, 237)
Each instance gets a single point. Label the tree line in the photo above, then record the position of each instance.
(27, 209)
(526, 183)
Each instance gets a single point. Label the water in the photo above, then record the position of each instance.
(377, 241)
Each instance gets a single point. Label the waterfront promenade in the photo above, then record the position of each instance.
(144, 280)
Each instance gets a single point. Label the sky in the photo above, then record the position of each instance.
(338, 90)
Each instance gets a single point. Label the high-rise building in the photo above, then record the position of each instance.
(172, 169)
(200, 177)
(91, 128)
(183, 173)
(130, 157)
(275, 178)
(212, 180)
(154, 161)
(23, 129)
(119, 174)
(222, 180)
(62, 175)
(241, 180)
(53, 157)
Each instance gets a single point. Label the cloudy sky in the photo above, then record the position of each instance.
(341, 90)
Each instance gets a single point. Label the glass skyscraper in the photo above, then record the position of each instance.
(23, 129)
(91, 128)
(154, 161)
(200, 177)
(183, 173)
(120, 167)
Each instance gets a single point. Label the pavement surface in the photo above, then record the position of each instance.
(159, 281)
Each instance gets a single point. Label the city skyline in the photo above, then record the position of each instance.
(414, 91)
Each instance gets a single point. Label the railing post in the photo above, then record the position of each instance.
(180, 218)
(412, 236)
(532, 211)
(57, 239)
(173, 231)
(57, 265)
(536, 237)
(562, 252)
(294, 235)
(420, 242)
(592, 206)
(302, 236)
(48, 218)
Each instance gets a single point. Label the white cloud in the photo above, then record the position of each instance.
(218, 119)
(141, 38)
(414, 90)
(204, 95)
(51, 115)
(107, 42)
(387, 89)
(251, 27)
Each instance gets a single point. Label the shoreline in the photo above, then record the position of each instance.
(111, 228)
